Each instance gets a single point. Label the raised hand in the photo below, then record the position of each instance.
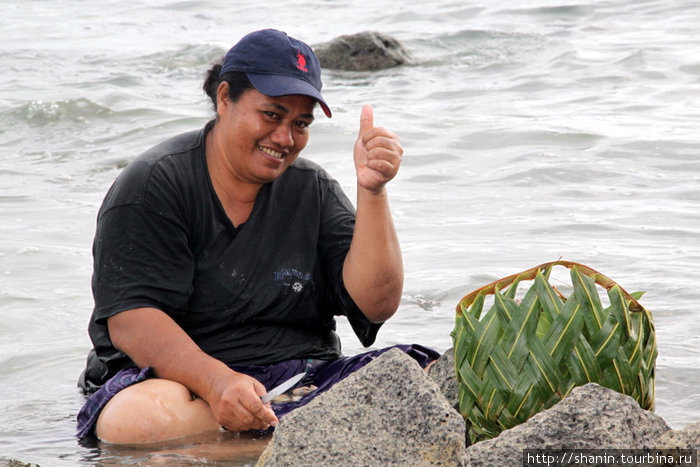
(377, 153)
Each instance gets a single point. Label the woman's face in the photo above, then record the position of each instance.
(263, 135)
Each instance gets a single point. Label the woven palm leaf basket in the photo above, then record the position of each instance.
(528, 351)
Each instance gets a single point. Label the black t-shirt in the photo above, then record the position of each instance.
(262, 292)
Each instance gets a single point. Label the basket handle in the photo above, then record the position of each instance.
(531, 273)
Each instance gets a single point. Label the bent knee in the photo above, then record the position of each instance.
(154, 410)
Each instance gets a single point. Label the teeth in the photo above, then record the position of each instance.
(271, 152)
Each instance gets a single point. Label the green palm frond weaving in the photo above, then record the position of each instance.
(525, 354)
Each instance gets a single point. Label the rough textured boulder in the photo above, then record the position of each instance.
(365, 51)
(388, 413)
(686, 438)
(443, 373)
(15, 463)
(590, 417)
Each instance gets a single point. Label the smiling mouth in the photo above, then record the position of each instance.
(271, 152)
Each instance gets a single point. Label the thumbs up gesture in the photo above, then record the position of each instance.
(377, 153)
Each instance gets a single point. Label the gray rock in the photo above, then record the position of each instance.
(15, 463)
(443, 373)
(365, 51)
(686, 438)
(387, 413)
(590, 417)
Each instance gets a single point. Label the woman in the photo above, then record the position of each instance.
(221, 258)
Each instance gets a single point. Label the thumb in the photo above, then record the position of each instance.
(366, 119)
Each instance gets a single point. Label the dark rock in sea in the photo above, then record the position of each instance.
(590, 417)
(388, 413)
(365, 51)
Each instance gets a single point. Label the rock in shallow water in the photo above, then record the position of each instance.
(443, 373)
(590, 417)
(687, 438)
(365, 51)
(392, 413)
(15, 463)
(388, 413)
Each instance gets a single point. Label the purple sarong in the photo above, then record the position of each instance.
(321, 373)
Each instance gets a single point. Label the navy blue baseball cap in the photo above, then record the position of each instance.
(277, 65)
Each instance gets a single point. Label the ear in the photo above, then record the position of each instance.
(222, 100)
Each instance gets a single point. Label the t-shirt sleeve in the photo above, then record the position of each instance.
(364, 329)
(141, 255)
(338, 223)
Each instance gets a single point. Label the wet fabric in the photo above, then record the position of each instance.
(87, 417)
(320, 373)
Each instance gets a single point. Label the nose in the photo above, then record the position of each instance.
(282, 136)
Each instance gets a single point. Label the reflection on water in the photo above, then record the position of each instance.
(217, 449)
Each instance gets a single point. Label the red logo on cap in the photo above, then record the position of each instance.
(301, 62)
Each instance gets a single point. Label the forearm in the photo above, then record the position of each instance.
(373, 268)
(151, 338)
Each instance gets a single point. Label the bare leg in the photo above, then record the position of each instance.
(154, 410)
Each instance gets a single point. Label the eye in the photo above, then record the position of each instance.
(271, 115)
(302, 124)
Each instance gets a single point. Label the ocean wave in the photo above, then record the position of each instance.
(40, 113)
(481, 49)
(188, 58)
(571, 12)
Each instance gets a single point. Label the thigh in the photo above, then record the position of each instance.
(154, 410)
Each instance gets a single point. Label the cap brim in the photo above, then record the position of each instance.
(276, 85)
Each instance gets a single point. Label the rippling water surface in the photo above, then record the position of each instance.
(533, 130)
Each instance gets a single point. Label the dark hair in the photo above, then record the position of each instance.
(237, 81)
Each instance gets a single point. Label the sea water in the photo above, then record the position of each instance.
(533, 130)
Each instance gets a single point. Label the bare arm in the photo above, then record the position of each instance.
(151, 338)
(373, 268)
